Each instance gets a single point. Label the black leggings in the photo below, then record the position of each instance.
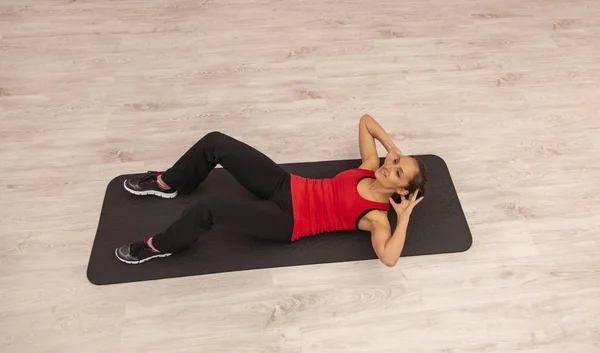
(270, 218)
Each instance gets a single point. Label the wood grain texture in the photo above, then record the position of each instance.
(505, 91)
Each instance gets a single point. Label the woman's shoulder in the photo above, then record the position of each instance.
(369, 165)
(363, 170)
(356, 172)
(373, 218)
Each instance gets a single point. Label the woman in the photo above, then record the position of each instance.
(291, 207)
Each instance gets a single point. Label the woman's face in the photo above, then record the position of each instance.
(395, 174)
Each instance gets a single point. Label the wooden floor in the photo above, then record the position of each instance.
(506, 91)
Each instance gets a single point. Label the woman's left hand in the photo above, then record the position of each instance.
(392, 155)
(405, 207)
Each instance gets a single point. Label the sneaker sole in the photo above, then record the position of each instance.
(144, 260)
(149, 192)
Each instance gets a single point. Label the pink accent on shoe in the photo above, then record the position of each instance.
(151, 248)
(162, 183)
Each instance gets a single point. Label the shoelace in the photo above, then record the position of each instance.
(150, 176)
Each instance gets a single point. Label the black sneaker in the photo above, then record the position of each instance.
(136, 253)
(147, 185)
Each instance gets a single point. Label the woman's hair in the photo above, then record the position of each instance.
(419, 181)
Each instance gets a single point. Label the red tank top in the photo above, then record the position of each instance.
(325, 205)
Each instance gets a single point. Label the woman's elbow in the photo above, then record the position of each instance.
(389, 262)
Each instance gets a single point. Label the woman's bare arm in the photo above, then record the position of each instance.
(369, 131)
(387, 246)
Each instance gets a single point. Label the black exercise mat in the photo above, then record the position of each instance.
(437, 225)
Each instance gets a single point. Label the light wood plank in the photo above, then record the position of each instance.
(505, 91)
